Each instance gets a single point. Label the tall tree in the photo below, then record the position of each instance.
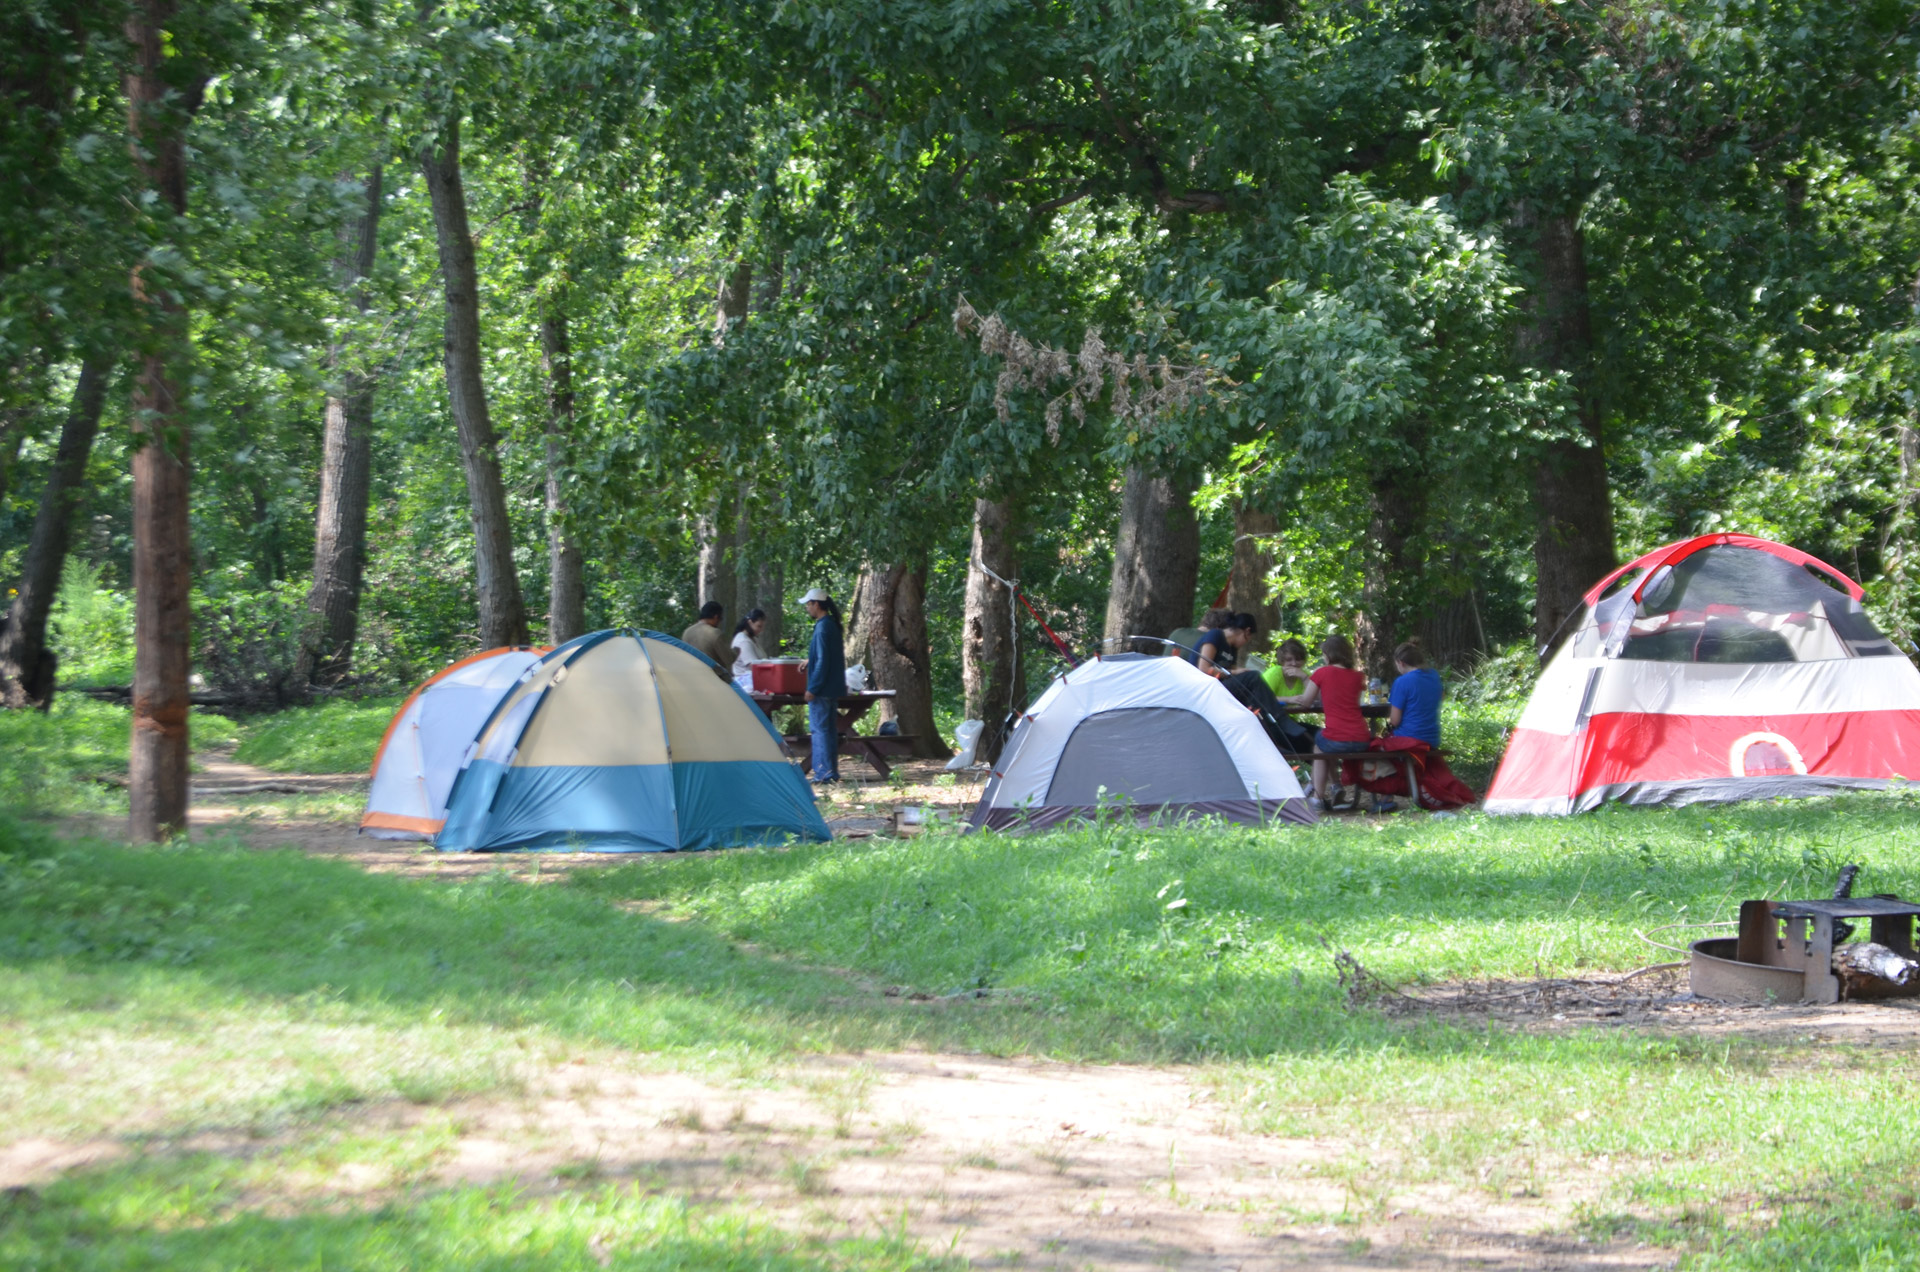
(566, 564)
(718, 531)
(987, 640)
(503, 610)
(26, 663)
(340, 529)
(891, 612)
(1573, 500)
(1156, 558)
(164, 91)
(1249, 585)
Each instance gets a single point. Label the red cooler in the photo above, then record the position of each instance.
(780, 675)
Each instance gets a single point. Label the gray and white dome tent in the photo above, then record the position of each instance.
(1165, 740)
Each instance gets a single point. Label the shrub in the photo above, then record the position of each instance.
(92, 629)
(247, 644)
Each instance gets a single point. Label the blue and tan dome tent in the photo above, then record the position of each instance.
(626, 741)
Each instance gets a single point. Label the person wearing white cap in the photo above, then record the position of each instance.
(826, 683)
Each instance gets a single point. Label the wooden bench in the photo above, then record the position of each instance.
(873, 749)
(1403, 758)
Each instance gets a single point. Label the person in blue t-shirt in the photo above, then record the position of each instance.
(1415, 697)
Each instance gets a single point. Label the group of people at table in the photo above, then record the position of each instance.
(1281, 687)
(1336, 689)
(826, 667)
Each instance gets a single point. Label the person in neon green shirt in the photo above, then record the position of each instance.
(1287, 677)
(1287, 674)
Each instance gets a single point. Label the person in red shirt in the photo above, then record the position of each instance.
(1336, 689)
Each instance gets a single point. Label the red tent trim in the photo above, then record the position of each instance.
(1680, 550)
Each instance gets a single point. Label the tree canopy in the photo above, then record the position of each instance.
(1440, 307)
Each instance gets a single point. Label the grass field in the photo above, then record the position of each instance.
(221, 1014)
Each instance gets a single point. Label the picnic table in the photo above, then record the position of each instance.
(851, 709)
(1371, 710)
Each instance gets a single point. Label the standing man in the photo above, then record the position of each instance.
(706, 637)
(826, 684)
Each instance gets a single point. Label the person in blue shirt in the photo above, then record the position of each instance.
(826, 684)
(1415, 697)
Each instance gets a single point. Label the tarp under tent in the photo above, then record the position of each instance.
(1719, 668)
(1153, 738)
(425, 744)
(625, 741)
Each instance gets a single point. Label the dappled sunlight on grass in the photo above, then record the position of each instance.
(190, 1213)
(64, 760)
(1216, 942)
(335, 737)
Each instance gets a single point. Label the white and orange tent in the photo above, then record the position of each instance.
(1724, 667)
(427, 741)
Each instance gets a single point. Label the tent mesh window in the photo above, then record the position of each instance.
(1147, 755)
(1730, 604)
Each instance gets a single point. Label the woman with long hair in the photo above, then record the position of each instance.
(746, 647)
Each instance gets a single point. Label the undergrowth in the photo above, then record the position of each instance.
(66, 760)
(340, 736)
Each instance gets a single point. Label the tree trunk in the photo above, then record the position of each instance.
(1573, 539)
(162, 95)
(718, 541)
(893, 620)
(764, 587)
(988, 647)
(1156, 559)
(503, 611)
(1249, 585)
(13, 435)
(1393, 567)
(854, 615)
(566, 591)
(718, 533)
(1451, 631)
(26, 664)
(346, 463)
(736, 291)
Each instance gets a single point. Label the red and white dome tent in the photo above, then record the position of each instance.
(1719, 668)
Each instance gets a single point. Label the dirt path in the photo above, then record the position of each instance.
(1008, 1163)
(264, 809)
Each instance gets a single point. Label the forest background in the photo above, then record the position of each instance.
(389, 332)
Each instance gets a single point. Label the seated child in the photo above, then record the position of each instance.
(1287, 678)
(1335, 687)
(1415, 697)
(1287, 675)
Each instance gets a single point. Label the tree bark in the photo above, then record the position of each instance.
(1249, 585)
(763, 587)
(715, 532)
(736, 293)
(1392, 565)
(346, 464)
(988, 647)
(567, 590)
(1573, 538)
(162, 95)
(26, 664)
(854, 615)
(718, 533)
(503, 610)
(13, 434)
(1156, 559)
(894, 622)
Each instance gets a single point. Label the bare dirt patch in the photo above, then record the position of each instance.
(1658, 1000)
(1006, 1162)
(262, 808)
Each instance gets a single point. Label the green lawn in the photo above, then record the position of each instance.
(334, 737)
(153, 994)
